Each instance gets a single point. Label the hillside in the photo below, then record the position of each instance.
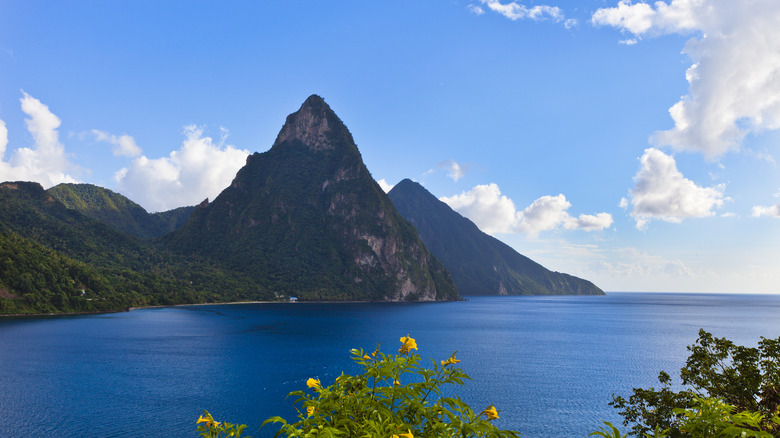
(116, 210)
(59, 260)
(306, 218)
(478, 263)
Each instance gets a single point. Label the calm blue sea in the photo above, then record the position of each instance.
(549, 364)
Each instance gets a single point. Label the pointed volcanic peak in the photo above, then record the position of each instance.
(306, 219)
(478, 263)
(316, 126)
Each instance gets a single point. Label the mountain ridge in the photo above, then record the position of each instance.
(119, 211)
(307, 211)
(478, 262)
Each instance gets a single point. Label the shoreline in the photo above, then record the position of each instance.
(128, 309)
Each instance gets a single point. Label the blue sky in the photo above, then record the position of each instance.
(632, 144)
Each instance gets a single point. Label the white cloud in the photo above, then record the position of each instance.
(662, 192)
(495, 213)
(734, 79)
(124, 145)
(772, 211)
(384, 185)
(486, 207)
(199, 169)
(454, 170)
(45, 162)
(475, 9)
(516, 11)
(589, 222)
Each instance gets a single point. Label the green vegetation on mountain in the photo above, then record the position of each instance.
(304, 219)
(117, 211)
(478, 263)
(55, 259)
(307, 219)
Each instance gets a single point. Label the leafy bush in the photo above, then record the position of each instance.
(733, 391)
(394, 397)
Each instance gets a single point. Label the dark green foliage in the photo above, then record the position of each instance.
(478, 263)
(117, 211)
(57, 260)
(307, 219)
(745, 378)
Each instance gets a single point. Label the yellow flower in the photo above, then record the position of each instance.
(373, 354)
(406, 435)
(450, 361)
(314, 383)
(309, 411)
(490, 413)
(396, 382)
(208, 420)
(366, 357)
(408, 344)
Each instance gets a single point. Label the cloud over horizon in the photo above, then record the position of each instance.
(662, 192)
(46, 161)
(734, 79)
(495, 213)
(199, 169)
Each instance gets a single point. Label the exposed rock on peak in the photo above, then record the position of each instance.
(307, 219)
(316, 126)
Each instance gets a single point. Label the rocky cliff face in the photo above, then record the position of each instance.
(307, 219)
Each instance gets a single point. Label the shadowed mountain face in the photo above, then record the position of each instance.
(478, 263)
(117, 211)
(307, 219)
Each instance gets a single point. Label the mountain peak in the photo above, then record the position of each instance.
(315, 125)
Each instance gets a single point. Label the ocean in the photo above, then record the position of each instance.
(549, 364)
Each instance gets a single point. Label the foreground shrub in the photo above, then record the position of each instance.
(732, 391)
(394, 397)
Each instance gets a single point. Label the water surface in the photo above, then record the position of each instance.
(549, 364)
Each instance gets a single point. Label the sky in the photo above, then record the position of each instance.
(632, 144)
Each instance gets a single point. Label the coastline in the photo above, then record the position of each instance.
(128, 309)
(22, 315)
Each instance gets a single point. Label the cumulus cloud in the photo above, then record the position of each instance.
(384, 185)
(199, 169)
(734, 79)
(124, 145)
(772, 211)
(45, 162)
(516, 11)
(662, 192)
(496, 213)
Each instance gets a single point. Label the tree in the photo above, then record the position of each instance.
(741, 384)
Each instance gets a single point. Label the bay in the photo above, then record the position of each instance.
(549, 364)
